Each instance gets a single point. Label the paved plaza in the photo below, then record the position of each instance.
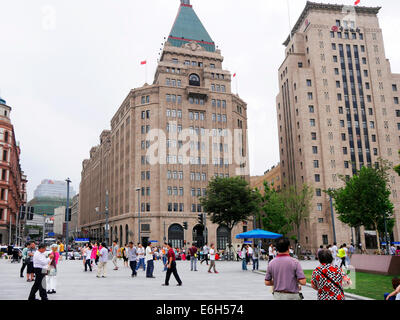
(74, 284)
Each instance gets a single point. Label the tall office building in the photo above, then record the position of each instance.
(201, 133)
(338, 109)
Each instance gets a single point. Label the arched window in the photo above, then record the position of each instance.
(194, 80)
(175, 235)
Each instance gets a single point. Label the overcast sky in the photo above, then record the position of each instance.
(67, 65)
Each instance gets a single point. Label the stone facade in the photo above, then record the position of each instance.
(337, 109)
(167, 140)
(272, 176)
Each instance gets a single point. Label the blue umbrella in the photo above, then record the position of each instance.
(258, 234)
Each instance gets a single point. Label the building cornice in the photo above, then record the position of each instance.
(310, 6)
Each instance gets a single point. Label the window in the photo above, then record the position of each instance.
(310, 95)
(318, 192)
(333, 46)
(313, 136)
(315, 150)
(319, 206)
(317, 178)
(4, 155)
(312, 122)
(311, 109)
(309, 83)
(316, 164)
(394, 87)
(396, 100)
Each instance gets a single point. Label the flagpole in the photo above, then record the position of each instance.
(290, 24)
(146, 70)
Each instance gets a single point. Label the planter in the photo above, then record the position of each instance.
(385, 265)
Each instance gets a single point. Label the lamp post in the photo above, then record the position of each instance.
(106, 213)
(66, 222)
(138, 191)
(333, 218)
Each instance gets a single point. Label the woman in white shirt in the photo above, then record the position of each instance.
(87, 255)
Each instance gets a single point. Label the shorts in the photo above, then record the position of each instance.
(30, 268)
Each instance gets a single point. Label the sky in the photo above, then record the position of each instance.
(66, 67)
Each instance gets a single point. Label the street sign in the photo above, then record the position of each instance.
(51, 234)
(34, 231)
(82, 240)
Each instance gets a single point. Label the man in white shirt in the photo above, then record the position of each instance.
(103, 259)
(250, 253)
(149, 261)
(40, 265)
(212, 259)
(334, 251)
(270, 253)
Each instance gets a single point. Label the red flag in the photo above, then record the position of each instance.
(234, 75)
(357, 2)
(143, 62)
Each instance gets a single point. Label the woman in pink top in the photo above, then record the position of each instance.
(94, 254)
(51, 278)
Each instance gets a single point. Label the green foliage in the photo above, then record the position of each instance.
(364, 200)
(397, 168)
(273, 213)
(298, 204)
(229, 201)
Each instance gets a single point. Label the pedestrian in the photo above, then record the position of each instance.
(88, 260)
(392, 250)
(397, 251)
(51, 278)
(285, 274)
(212, 259)
(319, 249)
(97, 253)
(114, 250)
(164, 256)
(62, 250)
(141, 257)
(395, 295)
(149, 261)
(334, 250)
(351, 252)
(171, 267)
(94, 255)
(342, 255)
(270, 253)
(249, 254)
(328, 279)
(193, 259)
(103, 259)
(40, 265)
(132, 257)
(124, 254)
(238, 253)
(205, 254)
(25, 259)
(30, 270)
(244, 252)
(255, 257)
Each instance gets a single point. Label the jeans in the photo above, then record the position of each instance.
(164, 260)
(193, 262)
(255, 264)
(132, 264)
(38, 285)
(141, 262)
(24, 264)
(88, 263)
(150, 269)
(244, 264)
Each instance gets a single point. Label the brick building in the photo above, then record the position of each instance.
(12, 180)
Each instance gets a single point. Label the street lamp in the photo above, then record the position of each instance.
(106, 212)
(66, 222)
(333, 217)
(138, 191)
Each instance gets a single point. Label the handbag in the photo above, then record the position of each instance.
(52, 272)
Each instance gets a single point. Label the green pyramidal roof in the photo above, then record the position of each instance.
(188, 27)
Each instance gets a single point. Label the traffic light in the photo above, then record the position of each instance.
(185, 225)
(68, 214)
(201, 218)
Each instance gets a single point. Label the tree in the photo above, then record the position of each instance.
(229, 201)
(273, 213)
(397, 168)
(298, 205)
(364, 200)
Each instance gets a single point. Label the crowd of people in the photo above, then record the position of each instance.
(284, 272)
